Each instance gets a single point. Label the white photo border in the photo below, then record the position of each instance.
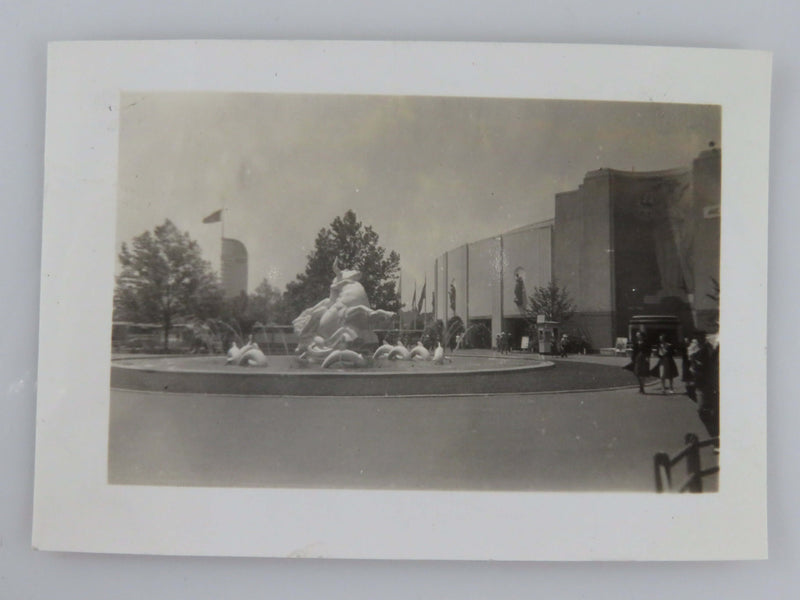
(75, 509)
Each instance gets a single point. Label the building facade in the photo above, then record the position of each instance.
(623, 243)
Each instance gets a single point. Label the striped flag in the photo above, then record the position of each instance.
(214, 217)
(422, 296)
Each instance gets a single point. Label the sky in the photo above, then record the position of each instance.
(427, 173)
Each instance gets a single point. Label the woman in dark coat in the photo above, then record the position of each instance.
(640, 360)
(665, 369)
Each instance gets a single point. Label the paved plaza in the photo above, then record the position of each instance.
(543, 441)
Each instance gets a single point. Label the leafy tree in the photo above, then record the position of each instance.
(552, 301)
(356, 247)
(165, 279)
(455, 327)
(266, 305)
(435, 333)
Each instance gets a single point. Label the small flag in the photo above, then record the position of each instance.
(214, 217)
(414, 297)
(422, 297)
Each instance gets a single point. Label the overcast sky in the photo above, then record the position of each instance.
(428, 173)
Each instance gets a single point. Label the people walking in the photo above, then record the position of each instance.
(666, 369)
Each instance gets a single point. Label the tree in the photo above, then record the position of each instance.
(356, 247)
(164, 278)
(552, 301)
(265, 305)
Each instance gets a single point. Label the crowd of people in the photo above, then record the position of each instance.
(503, 342)
(699, 371)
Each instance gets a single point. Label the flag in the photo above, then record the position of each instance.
(214, 217)
(422, 297)
(414, 297)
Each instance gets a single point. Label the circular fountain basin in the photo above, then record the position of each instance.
(286, 376)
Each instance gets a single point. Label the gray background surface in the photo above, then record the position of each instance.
(26, 27)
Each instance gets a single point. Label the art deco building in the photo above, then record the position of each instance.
(622, 244)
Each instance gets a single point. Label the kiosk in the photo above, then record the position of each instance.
(547, 335)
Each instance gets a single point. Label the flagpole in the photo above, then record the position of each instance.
(400, 308)
(414, 311)
(222, 241)
(425, 305)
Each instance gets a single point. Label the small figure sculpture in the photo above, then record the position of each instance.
(233, 353)
(419, 352)
(399, 352)
(383, 350)
(249, 355)
(348, 358)
(438, 355)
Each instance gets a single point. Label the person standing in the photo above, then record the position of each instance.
(563, 345)
(640, 360)
(685, 370)
(665, 368)
(690, 368)
(705, 364)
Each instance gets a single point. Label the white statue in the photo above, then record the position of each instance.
(341, 321)
(419, 352)
(399, 352)
(383, 350)
(249, 355)
(349, 358)
(438, 355)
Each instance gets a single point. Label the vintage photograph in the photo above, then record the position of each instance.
(383, 300)
(409, 292)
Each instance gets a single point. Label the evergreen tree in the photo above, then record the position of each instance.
(356, 247)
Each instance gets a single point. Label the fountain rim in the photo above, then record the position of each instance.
(354, 372)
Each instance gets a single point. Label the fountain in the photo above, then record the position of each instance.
(335, 356)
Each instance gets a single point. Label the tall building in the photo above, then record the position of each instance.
(622, 244)
(234, 267)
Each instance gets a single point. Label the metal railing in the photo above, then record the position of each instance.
(663, 466)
